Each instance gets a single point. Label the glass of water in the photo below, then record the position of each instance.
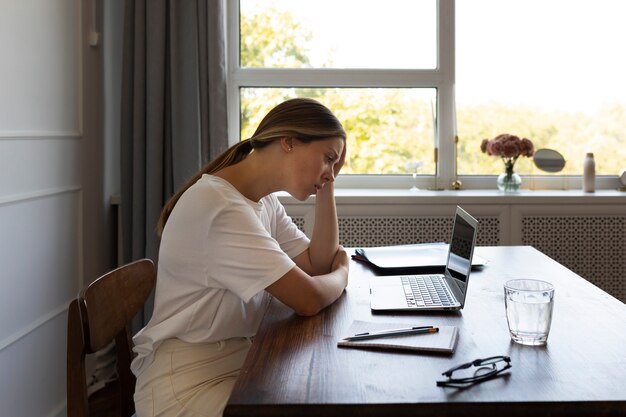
(529, 304)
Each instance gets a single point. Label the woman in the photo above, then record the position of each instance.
(226, 242)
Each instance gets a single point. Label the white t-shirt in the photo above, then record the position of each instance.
(218, 252)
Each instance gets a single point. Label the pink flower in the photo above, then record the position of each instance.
(483, 145)
(507, 146)
(527, 147)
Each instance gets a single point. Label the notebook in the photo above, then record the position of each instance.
(433, 291)
(444, 341)
(409, 259)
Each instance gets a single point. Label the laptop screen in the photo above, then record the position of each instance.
(461, 248)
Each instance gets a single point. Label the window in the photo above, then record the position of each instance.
(551, 71)
(388, 71)
(361, 59)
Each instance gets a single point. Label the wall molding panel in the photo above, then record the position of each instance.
(42, 177)
(35, 363)
(8, 341)
(41, 135)
(29, 166)
(22, 198)
(41, 246)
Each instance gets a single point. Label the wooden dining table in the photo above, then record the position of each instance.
(295, 368)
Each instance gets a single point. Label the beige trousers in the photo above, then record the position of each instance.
(190, 379)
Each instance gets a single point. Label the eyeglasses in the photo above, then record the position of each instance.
(486, 369)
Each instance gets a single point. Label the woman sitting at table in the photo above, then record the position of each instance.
(226, 242)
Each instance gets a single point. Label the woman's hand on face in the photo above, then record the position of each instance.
(341, 161)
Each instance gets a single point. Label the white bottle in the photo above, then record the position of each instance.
(589, 174)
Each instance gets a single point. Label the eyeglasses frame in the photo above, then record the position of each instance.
(493, 360)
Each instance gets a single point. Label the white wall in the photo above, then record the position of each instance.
(41, 199)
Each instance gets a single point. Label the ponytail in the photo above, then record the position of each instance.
(230, 156)
(302, 118)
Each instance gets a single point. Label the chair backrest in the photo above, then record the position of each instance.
(100, 314)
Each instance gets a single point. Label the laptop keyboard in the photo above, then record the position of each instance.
(426, 291)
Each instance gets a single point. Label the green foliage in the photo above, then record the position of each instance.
(271, 38)
(571, 134)
(387, 128)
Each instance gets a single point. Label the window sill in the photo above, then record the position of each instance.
(373, 196)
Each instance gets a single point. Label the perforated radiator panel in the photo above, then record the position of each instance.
(299, 221)
(358, 231)
(592, 246)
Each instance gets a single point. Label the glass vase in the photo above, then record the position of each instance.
(509, 182)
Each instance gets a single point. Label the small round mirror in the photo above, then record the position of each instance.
(548, 160)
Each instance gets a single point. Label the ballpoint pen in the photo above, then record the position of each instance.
(393, 332)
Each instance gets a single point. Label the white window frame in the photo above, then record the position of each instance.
(442, 78)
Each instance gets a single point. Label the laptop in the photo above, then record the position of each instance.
(432, 291)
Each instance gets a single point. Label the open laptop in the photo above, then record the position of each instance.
(432, 291)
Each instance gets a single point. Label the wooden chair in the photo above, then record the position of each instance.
(100, 314)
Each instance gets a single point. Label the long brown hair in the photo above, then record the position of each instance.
(301, 118)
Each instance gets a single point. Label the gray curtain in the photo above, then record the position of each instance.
(173, 109)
